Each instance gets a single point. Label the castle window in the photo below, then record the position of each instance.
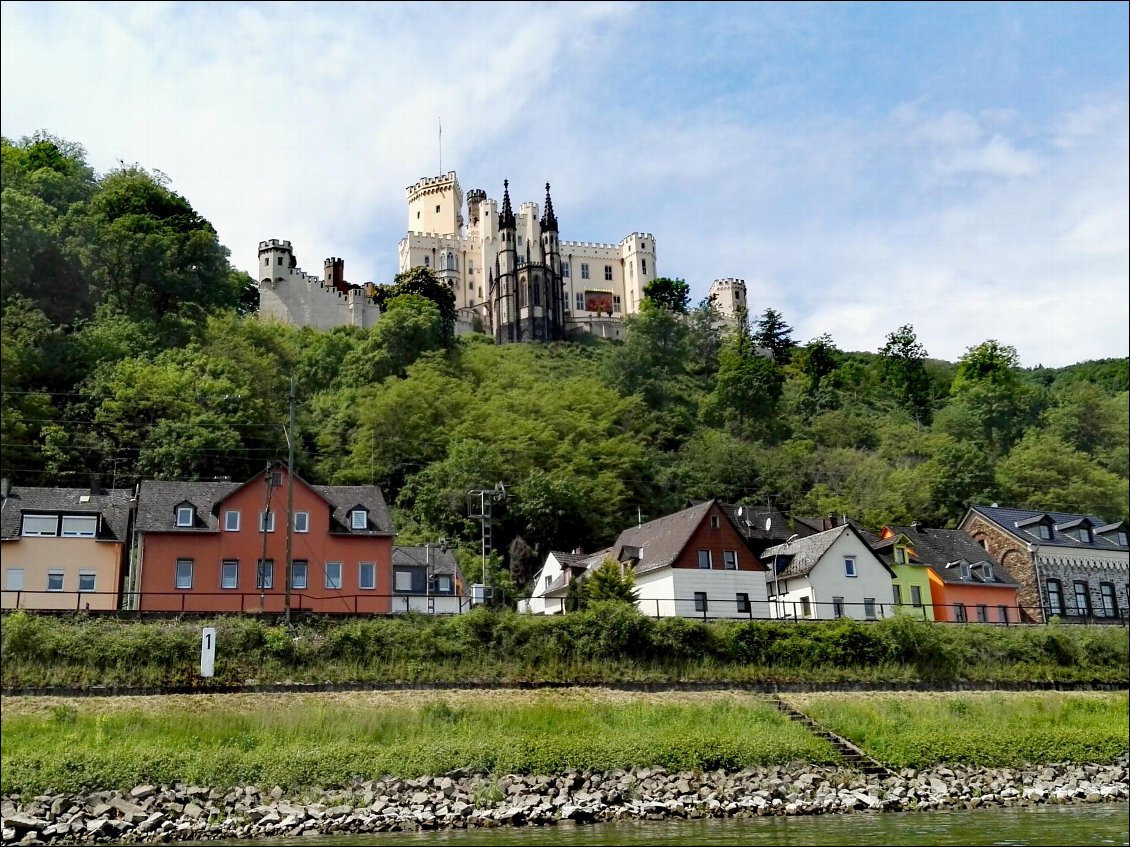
(616, 303)
(643, 265)
(564, 269)
(437, 210)
(608, 273)
(280, 260)
(427, 262)
(266, 260)
(537, 294)
(584, 271)
(580, 301)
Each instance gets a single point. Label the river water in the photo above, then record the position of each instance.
(1060, 826)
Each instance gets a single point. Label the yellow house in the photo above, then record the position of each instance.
(63, 548)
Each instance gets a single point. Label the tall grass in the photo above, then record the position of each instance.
(992, 729)
(303, 740)
(610, 642)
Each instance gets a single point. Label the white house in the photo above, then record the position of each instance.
(551, 583)
(831, 574)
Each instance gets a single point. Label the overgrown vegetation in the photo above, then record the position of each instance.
(609, 641)
(297, 741)
(977, 728)
(153, 366)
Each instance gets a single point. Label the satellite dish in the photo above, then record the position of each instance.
(768, 524)
(741, 511)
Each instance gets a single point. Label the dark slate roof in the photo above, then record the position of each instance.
(576, 564)
(1013, 520)
(662, 540)
(113, 504)
(442, 561)
(811, 526)
(941, 547)
(158, 499)
(751, 523)
(800, 556)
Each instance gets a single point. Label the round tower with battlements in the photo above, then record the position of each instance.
(435, 205)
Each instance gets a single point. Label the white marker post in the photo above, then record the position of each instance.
(208, 652)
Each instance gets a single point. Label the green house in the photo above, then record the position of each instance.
(911, 586)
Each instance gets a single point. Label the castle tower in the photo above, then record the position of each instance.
(333, 275)
(276, 258)
(729, 296)
(554, 285)
(435, 205)
(504, 290)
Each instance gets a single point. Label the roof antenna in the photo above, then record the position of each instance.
(639, 517)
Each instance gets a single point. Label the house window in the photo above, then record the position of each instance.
(916, 596)
(869, 608)
(402, 581)
(1002, 614)
(1082, 597)
(837, 607)
(1045, 532)
(367, 575)
(896, 591)
(298, 573)
(231, 521)
(184, 573)
(229, 574)
(565, 269)
(40, 525)
(87, 581)
(1085, 534)
(617, 306)
(358, 519)
(900, 555)
(548, 580)
(704, 559)
(185, 515)
(982, 613)
(806, 607)
(714, 522)
(333, 575)
(700, 602)
(1110, 599)
(265, 574)
(743, 603)
(608, 273)
(1122, 540)
(75, 526)
(964, 570)
(849, 566)
(1055, 597)
(959, 613)
(580, 301)
(584, 270)
(443, 584)
(301, 521)
(267, 521)
(54, 580)
(987, 572)
(14, 579)
(730, 559)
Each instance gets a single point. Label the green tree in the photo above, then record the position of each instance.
(674, 295)
(988, 384)
(410, 326)
(746, 389)
(609, 582)
(902, 363)
(771, 333)
(1043, 472)
(818, 359)
(423, 282)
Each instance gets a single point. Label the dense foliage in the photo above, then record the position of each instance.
(127, 354)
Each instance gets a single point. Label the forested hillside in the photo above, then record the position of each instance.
(130, 349)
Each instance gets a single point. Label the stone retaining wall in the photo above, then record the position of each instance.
(150, 813)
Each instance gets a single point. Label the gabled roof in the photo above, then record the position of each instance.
(812, 526)
(751, 521)
(573, 566)
(112, 504)
(1022, 523)
(157, 501)
(659, 542)
(941, 547)
(441, 561)
(802, 555)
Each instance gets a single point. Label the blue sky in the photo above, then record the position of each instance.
(961, 167)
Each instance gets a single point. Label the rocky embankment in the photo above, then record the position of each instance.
(152, 813)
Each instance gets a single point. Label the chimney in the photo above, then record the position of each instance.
(917, 525)
(5, 488)
(830, 522)
(95, 485)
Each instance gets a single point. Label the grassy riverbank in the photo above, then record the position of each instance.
(304, 740)
(611, 643)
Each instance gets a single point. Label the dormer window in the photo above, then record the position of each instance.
(964, 570)
(1045, 532)
(986, 571)
(900, 555)
(186, 515)
(1085, 534)
(1122, 540)
(358, 519)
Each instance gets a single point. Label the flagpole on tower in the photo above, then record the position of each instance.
(440, 121)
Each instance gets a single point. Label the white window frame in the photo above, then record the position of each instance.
(1085, 594)
(182, 584)
(359, 519)
(1055, 597)
(987, 572)
(86, 520)
(229, 574)
(584, 270)
(231, 525)
(34, 533)
(299, 566)
(1109, 600)
(267, 521)
(964, 569)
(264, 574)
(730, 560)
(850, 570)
(93, 577)
(397, 576)
(14, 579)
(52, 576)
(806, 606)
(869, 608)
(186, 516)
(444, 584)
(367, 576)
(709, 566)
(608, 273)
(701, 602)
(916, 596)
(580, 301)
(714, 522)
(301, 521)
(1045, 532)
(331, 583)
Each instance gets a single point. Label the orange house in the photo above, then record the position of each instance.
(222, 547)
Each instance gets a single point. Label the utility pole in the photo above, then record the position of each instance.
(289, 497)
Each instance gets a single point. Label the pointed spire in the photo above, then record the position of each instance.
(506, 219)
(548, 220)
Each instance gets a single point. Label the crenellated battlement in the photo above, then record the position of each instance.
(274, 244)
(728, 282)
(431, 183)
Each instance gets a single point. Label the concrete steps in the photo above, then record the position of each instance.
(852, 756)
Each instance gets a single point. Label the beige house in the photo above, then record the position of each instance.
(63, 548)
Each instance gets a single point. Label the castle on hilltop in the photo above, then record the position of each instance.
(512, 275)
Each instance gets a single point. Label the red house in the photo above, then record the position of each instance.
(222, 547)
